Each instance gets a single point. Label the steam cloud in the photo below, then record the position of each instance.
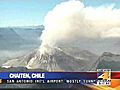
(70, 21)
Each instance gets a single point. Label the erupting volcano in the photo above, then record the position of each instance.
(72, 34)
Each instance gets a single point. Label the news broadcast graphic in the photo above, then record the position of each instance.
(48, 77)
(104, 76)
(60, 44)
(102, 79)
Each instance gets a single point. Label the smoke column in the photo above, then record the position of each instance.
(72, 20)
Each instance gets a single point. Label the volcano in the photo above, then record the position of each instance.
(55, 59)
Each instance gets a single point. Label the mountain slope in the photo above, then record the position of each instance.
(57, 60)
(109, 61)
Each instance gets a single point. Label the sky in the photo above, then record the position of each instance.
(32, 12)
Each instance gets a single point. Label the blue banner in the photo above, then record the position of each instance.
(49, 75)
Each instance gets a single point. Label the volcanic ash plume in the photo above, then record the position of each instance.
(70, 21)
(68, 24)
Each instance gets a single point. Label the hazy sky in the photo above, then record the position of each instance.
(32, 12)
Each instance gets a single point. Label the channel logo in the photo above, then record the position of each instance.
(103, 76)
